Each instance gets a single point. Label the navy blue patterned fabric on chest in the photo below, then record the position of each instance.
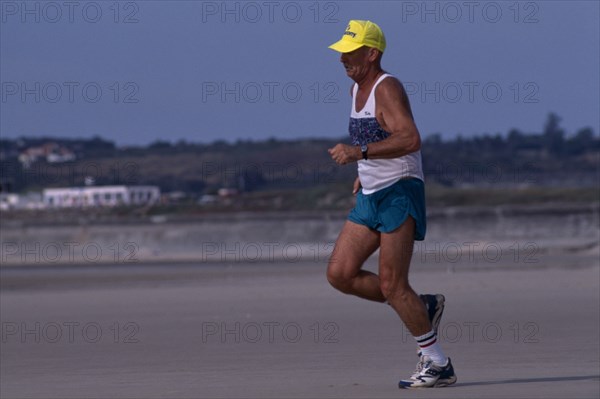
(365, 131)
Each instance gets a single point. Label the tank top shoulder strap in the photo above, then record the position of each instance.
(370, 105)
(385, 75)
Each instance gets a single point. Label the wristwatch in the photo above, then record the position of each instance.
(364, 149)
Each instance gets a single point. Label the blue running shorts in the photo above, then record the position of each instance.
(385, 210)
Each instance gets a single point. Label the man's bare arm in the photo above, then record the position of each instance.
(395, 117)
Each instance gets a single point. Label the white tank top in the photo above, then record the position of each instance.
(377, 174)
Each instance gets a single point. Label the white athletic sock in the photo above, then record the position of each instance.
(431, 348)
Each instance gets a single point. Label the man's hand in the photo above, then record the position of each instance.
(357, 186)
(343, 154)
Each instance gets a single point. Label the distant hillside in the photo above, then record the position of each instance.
(550, 158)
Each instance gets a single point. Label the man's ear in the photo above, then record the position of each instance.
(373, 54)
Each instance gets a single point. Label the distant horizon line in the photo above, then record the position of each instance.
(232, 141)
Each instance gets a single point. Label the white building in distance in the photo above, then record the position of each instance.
(10, 201)
(100, 196)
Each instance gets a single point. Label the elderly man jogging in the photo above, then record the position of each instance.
(390, 204)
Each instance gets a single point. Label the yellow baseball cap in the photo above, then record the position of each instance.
(360, 33)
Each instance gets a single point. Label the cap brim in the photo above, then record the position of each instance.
(345, 46)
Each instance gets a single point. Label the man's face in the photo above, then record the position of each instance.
(357, 62)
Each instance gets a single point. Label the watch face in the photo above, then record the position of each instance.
(363, 147)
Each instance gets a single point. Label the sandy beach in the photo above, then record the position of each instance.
(514, 326)
(281, 331)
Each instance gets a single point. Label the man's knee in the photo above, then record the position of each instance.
(394, 288)
(339, 279)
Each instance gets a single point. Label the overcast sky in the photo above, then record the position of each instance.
(139, 71)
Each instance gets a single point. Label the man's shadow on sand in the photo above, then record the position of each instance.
(527, 380)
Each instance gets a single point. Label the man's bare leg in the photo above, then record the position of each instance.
(394, 263)
(353, 247)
